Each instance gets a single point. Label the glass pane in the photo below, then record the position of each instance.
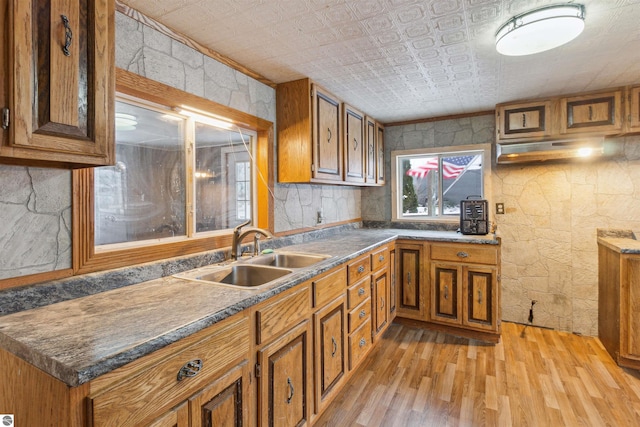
(462, 178)
(143, 196)
(420, 180)
(222, 177)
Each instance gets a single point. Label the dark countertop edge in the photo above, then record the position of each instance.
(78, 376)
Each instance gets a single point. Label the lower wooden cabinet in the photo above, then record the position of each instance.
(225, 402)
(380, 289)
(329, 350)
(284, 383)
(177, 417)
(410, 287)
(464, 295)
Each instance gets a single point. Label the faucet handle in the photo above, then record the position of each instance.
(239, 226)
(256, 244)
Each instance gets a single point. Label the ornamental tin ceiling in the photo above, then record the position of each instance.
(401, 60)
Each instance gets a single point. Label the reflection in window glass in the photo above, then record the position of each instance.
(143, 196)
(432, 185)
(148, 195)
(220, 183)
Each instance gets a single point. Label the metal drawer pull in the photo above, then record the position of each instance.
(329, 138)
(68, 35)
(381, 258)
(590, 113)
(355, 144)
(291, 391)
(361, 291)
(190, 369)
(479, 296)
(362, 313)
(446, 292)
(462, 254)
(363, 342)
(524, 120)
(335, 347)
(361, 269)
(381, 303)
(409, 278)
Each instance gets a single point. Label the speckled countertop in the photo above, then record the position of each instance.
(81, 339)
(624, 245)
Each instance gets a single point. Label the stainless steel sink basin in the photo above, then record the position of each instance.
(239, 275)
(287, 259)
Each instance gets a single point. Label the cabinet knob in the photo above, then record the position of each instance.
(190, 369)
(381, 258)
(363, 342)
(361, 269)
(361, 291)
(362, 313)
(462, 254)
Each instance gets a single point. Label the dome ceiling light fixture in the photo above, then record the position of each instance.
(540, 29)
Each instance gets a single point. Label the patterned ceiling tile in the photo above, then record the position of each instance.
(409, 59)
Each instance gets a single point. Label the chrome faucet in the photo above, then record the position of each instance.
(239, 234)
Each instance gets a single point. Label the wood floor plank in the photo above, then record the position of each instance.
(533, 377)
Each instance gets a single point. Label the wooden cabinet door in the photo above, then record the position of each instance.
(392, 285)
(224, 402)
(371, 151)
(634, 109)
(327, 138)
(177, 417)
(285, 378)
(480, 286)
(380, 301)
(62, 82)
(354, 139)
(523, 120)
(446, 289)
(330, 345)
(410, 302)
(380, 179)
(600, 112)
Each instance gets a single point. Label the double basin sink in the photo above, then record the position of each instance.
(256, 272)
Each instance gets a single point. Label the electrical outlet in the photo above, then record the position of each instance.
(499, 208)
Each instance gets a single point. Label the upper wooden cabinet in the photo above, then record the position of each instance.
(320, 139)
(633, 101)
(523, 120)
(309, 133)
(60, 61)
(599, 112)
(370, 151)
(380, 175)
(354, 142)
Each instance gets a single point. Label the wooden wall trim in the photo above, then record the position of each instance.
(441, 118)
(14, 282)
(152, 23)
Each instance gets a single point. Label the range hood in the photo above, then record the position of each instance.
(583, 148)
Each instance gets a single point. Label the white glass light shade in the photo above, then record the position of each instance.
(540, 29)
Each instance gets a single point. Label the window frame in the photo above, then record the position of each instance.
(89, 258)
(451, 151)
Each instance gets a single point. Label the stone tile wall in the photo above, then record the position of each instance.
(549, 249)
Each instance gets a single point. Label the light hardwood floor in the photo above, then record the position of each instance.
(533, 377)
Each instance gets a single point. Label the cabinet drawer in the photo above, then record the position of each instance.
(476, 254)
(359, 315)
(359, 268)
(359, 344)
(284, 313)
(379, 258)
(139, 398)
(329, 287)
(358, 293)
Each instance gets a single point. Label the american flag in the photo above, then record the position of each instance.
(451, 166)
